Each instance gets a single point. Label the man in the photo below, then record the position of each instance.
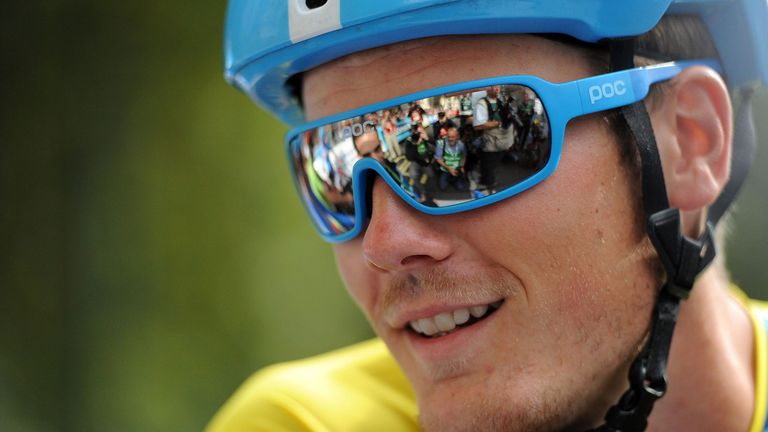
(420, 152)
(451, 155)
(441, 126)
(497, 136)
(465, 106)
(527, 309)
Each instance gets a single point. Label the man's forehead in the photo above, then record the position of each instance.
(386, 72)
(362, 58)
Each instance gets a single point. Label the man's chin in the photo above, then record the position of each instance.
(478, 413)
(487, 406)
(448, 371)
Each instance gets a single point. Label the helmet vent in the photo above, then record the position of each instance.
(314, 4)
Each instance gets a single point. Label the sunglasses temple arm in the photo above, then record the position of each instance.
(617, 89)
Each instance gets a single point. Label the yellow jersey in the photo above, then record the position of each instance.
(361, 388)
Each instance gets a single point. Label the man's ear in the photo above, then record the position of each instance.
(693, 128)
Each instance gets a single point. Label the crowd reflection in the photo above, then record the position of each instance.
(442, 150)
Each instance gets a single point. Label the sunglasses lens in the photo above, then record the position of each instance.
(323, 177)
(442, 151)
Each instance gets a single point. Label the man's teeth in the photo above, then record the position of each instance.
(478, 311)
(447, 321)
(460, 316)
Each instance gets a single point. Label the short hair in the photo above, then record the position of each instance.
(675, 37)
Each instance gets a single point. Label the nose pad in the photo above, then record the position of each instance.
(368, 172)
(369, 182)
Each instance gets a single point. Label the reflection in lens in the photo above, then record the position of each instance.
(323, 177)
(441, 151)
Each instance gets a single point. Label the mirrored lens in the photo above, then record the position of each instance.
(442, 151)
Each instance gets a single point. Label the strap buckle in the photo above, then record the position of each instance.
(683, 258)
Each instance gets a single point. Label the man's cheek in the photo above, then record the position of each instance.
(360, 281)
(363, 289)
(579, 302)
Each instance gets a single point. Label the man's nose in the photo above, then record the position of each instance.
(399, 237)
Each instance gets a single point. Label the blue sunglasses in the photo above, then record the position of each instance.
(452, 148)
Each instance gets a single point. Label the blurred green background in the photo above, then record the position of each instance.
(153, 251)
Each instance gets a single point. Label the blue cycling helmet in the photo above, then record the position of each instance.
(267, 42)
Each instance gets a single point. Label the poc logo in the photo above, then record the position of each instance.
(607, 91)
(357, 129)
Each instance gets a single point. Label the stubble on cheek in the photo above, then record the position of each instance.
(607, 306)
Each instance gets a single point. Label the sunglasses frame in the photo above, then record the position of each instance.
(562, 102)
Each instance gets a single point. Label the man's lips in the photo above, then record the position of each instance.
(437, 321)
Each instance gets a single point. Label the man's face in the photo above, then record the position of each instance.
(453, 135)
(367, 143)
(566, 260)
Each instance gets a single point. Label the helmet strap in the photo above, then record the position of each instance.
(682, 258)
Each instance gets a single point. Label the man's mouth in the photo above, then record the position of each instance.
(446, 323)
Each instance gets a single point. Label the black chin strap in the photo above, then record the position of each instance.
(682, 258)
